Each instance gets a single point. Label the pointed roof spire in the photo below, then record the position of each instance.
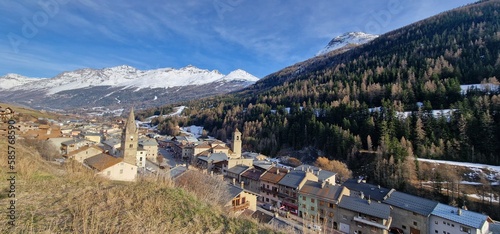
(130, 124)
(237, 130)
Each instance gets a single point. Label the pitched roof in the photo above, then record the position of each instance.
(220, 147)
(321, 174)
(238, 169)
(329, 192)
(84, 148)
(102, 161)
(148, 142)
(73, 141)
(464, 217)
(217, 157)
(203, 146)
(293, 179)
(253, 174)
(266, 165)
(372, 208)
(371, 191)
(111, 141)
(272, 175)
(234, 190)
(411, 203)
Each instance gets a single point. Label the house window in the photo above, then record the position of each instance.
(312, 208)
(464, 229)
(312, 200)
(415, 223)
(453, 225)
(404, 227)
(304, 206)
(303, 198)
(140, 159)
(321, 203)
(109, 173)
(131, 145)
(121, 171)
(330, 205)
(436, 231)
(436, 222)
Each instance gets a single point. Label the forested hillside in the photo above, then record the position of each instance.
(346, 103)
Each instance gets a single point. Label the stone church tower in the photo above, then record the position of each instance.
(236, 145)
(129, 140)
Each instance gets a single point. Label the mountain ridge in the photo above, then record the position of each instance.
(86, 87)
(346, 40)
(124, 76)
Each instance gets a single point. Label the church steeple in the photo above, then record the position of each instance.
(130, 139)
(236, 144)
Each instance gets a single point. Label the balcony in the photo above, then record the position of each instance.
(241, 206)
(270, 191)
(373, 223)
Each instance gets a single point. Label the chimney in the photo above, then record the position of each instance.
(459, 211)
(234, 181)
(277, 171)
(362, 195)
(323, 183)
(242, 184)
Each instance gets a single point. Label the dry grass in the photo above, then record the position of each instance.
(27, 112)
(69, 199)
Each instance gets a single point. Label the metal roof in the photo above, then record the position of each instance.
(464, 217)
(234, 190)
(293, 179)
(409, 202)
(217, 157)
(372, 208)
(371, 191)
(327, 192)
(238, 169)
(321, 174)
(148, 142)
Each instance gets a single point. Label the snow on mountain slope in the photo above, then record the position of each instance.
(12, 80)
(350, 38)
(127, 77)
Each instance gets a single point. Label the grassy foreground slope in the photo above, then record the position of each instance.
(69, 199)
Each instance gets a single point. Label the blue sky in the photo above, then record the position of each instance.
(43, 38)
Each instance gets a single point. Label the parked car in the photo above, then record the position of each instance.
(267, 206)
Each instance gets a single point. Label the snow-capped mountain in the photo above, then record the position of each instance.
(125, 76)
(120, 85)
(350, 38)
(14, 80)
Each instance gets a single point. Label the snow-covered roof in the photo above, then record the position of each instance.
(464, 217)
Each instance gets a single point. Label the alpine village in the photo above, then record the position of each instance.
(400, 134)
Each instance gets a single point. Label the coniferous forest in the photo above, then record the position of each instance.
(391, 100)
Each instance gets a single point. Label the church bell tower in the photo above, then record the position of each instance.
(236, 144)
(129, 140)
